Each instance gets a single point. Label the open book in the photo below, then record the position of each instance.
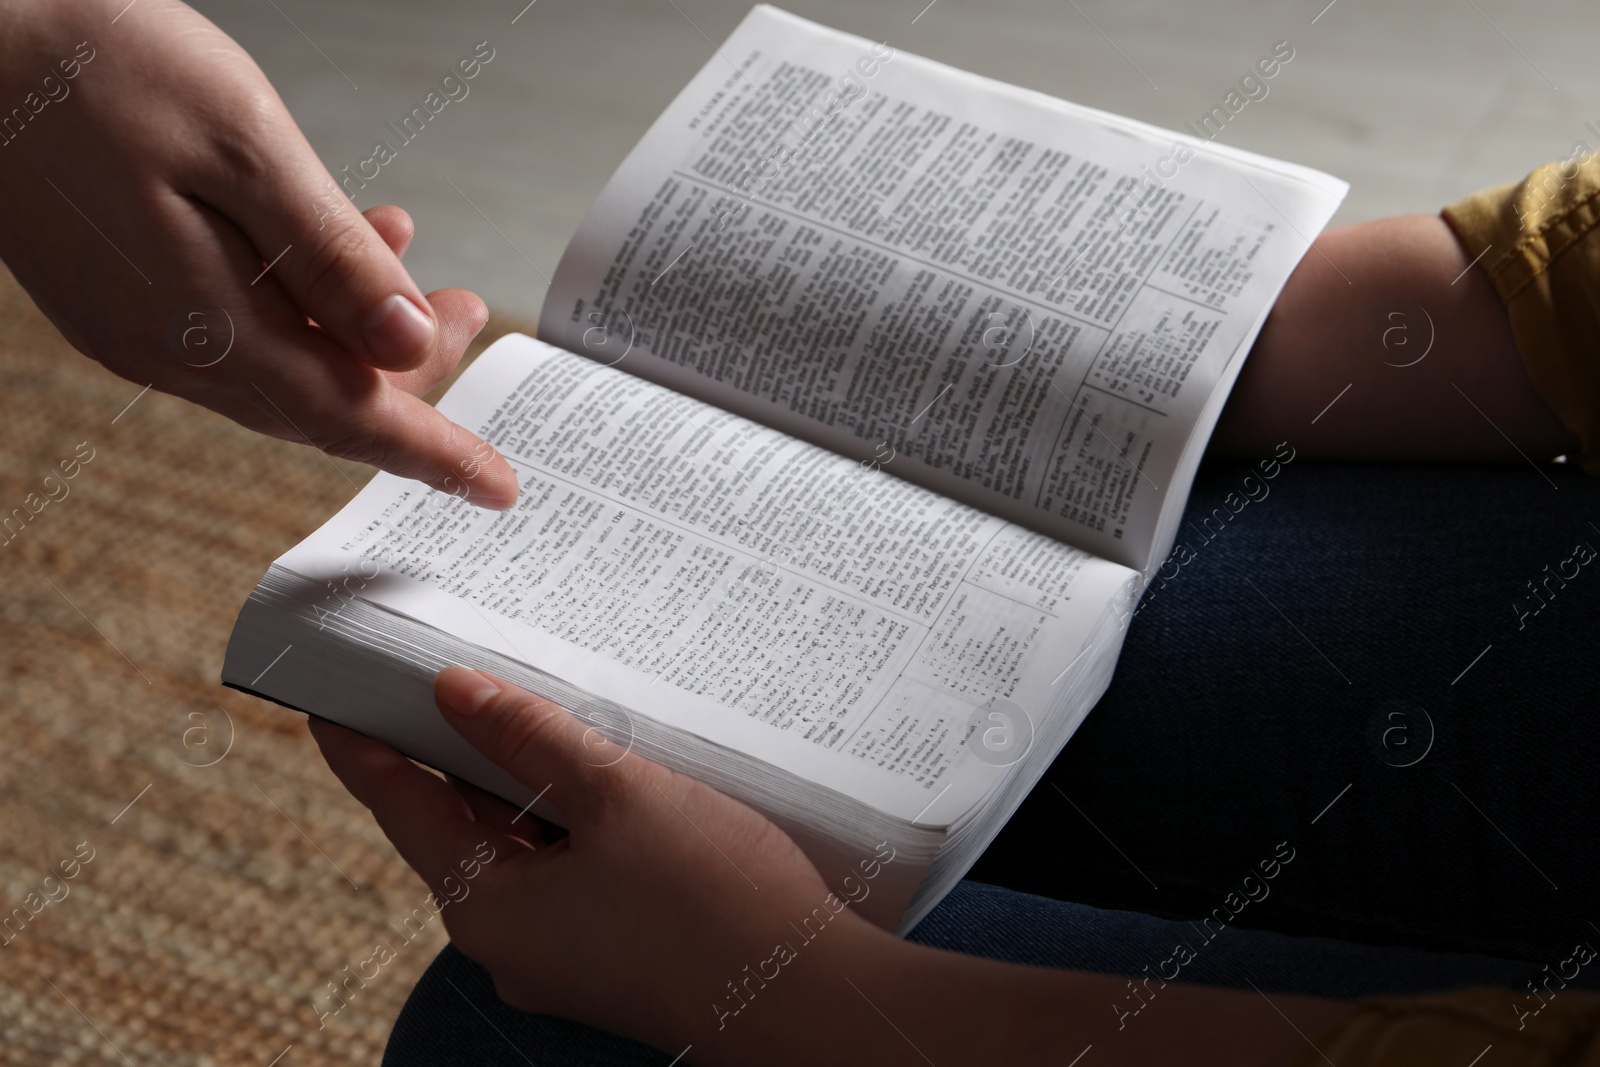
(866, 398)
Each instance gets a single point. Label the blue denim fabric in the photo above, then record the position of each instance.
(1315, 640)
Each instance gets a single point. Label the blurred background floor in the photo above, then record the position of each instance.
(1413, 103)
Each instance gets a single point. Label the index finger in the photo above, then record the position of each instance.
(357, 413)
(429, 823)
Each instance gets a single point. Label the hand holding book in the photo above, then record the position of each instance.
(658, 901)
(678, 916)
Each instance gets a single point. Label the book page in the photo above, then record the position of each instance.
(727, 579)
(1018, 302)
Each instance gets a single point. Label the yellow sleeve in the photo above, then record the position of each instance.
(1543, 255)
(1560, 1029)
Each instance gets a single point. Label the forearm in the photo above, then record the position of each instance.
(867, 997)
(1350, 330)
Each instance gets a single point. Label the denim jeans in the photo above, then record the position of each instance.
(1376, 671)
(1382, 666)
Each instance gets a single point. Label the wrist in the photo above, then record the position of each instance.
(768, 1011)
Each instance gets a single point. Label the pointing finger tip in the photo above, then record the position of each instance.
(496, 486)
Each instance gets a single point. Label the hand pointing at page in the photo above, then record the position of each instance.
(167, 214)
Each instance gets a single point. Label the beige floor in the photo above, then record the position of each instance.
(1413, 103)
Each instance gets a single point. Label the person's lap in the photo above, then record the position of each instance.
(1340, 666)
(1338, 670)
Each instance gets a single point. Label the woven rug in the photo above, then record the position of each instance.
(183, 879)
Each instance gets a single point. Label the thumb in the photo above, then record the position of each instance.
(543, 745)
(336, 268)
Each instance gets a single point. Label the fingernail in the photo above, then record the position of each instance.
(488, 497)
(487, 491)
(398, 332)
(463, 691)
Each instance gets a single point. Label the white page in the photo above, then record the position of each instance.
(899, 260)
(726, 579)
